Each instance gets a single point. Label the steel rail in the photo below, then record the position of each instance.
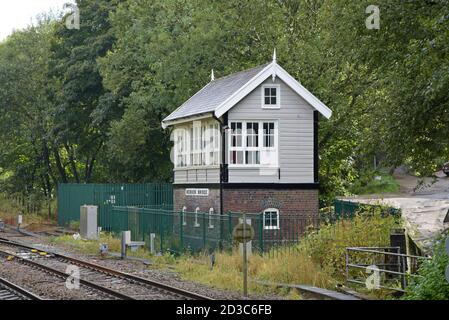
(20, 292)
(63, 275)
(114, 273)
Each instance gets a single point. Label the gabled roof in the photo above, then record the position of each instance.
(214, 94)
(220, 95)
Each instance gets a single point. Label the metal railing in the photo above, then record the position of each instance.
(345, 209)
(389, 267)
(181, 231)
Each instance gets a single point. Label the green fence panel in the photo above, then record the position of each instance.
(178, 232)
(105, 196)
(347, 209)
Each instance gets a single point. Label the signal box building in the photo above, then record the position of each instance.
(248, 142)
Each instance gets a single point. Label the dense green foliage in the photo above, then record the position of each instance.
(380, 184)
(432, 285)
(327, 246)
(86, 105)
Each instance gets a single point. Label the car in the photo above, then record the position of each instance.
(446, 168)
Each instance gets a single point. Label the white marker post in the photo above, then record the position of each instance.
(19, 221)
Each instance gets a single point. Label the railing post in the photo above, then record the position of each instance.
(347, 265)
(161, 231)
(404, 273)
(261, 244)
(230, 228)
(204, 230)
(181, 229)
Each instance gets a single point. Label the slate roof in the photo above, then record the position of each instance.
(214, 93)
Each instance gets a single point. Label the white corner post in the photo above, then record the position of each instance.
(126, 237)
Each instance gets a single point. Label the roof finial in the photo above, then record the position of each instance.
(274, 55)
(212, 75)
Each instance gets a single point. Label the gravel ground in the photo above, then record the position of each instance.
(134, 267)
(172, 278)
(44, 285)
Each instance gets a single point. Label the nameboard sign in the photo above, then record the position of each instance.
(197, 192)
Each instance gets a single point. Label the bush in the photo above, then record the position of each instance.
(74, 225)
(327, 247)
(432, 285)
(369, 185)
(318, 260)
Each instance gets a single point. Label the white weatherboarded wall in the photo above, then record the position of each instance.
(295, 123)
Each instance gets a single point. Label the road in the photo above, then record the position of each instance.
(424, 209)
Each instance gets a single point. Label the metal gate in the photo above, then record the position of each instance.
(380, 267)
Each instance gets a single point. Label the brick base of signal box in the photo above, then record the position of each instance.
(289, 202)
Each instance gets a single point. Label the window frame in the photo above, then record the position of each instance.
(260, 147)
(278, 96)
(271, 227)
(236, 148)
(200, 147)
(181, 148)
(253, 138)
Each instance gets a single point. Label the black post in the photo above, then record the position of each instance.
(315, 146)
(223, 170)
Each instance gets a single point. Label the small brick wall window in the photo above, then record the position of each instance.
(271, 219)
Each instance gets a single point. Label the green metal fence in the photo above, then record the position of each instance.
(348, 209)
(202, 231)
(105, 196)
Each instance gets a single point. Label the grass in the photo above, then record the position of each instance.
(9, 211)
(319, 260)
(386, 184)
(281, 267)
(92, 247)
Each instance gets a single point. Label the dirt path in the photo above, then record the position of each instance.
(424, 204)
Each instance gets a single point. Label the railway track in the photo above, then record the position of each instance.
(10, 291)
(112, 283)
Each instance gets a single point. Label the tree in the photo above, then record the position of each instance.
(26, 118)
(84, 107)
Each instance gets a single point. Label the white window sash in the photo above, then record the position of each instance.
(198, 146)
(278, 96)
(262, 150)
